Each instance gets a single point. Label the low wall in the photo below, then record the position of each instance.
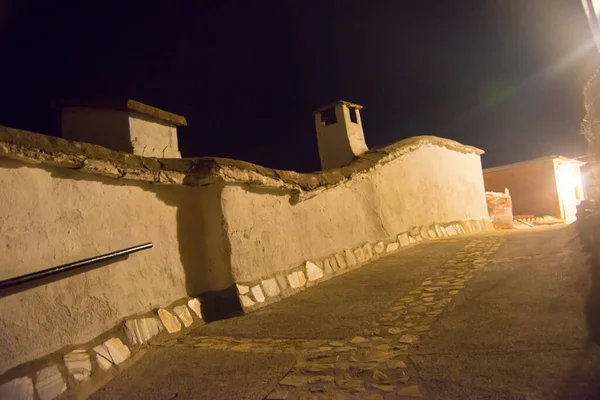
(431, 184)
(51, 216)
(278, 246)
(214, 223)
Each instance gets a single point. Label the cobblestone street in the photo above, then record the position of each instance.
(396, 328)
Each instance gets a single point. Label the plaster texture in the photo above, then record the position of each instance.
(213, 222)
(51, 216)
(431, 184)
(340, 142)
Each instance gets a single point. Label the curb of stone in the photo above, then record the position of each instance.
(270, 289)
(83, 368)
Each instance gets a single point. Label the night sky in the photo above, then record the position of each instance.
(504, 75)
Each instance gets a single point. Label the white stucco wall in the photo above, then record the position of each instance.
(432, 184)
(152, 138)
(340, 142)
(52, 216)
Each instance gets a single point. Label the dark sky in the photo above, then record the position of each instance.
(503, 75)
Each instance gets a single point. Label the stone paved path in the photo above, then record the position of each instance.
(489, 316)
(372, 365)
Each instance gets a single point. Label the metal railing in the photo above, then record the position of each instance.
(71, 267)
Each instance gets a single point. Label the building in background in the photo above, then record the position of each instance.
(548, 186)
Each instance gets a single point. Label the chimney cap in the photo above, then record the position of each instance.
(124, 105)
(335, 103)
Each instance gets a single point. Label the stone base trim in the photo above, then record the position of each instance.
(76, 365)
(256, 294)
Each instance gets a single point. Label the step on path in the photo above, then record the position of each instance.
(374, 365)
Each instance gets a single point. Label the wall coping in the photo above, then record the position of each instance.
(35, 148)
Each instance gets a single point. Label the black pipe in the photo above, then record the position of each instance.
(35, 276)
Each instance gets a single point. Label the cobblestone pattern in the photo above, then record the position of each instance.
(373, 365)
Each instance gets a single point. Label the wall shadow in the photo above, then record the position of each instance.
(204, 248)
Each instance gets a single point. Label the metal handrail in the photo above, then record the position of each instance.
(35, 276)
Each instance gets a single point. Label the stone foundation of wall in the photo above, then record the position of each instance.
(269, 289)
(87, 366)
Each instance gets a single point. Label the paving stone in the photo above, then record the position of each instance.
(428, 299)
(316, 389)
(78, 364)
(246, 301)
(343, 349)
(340, 261)
(313, 272)
(294, 280)
(169, 321)
(50, 383)
(278, 395)
(293, 380)
(271, 287)
(392, 247)
(184, 315)
(318, 367)
(112, 352)
(397, 308)
(328, 269)
(196, 307)
(242, 289)
(337, 343)
(408, 339)
(379, 247)
(453, 292)
(438, 230)
(378, 375)
(396, 365)
(368, 251)
(258, 294)
(403, 239)
(383, 347)
(432, 234)
(412, 240)
(396, 330)
(17, 389)
(360, 256)
(358, 339)
(351, 385)
(140, 330)
(427, 283)
(422, 328)
(418, 309)
(410, 391)
(373, 397)
(407, 298)
(281, 279)
(350, 258)
(383, 388)
(301, 278)
(321, 379)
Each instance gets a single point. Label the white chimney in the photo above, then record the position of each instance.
(128, 126)
(339, 133)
